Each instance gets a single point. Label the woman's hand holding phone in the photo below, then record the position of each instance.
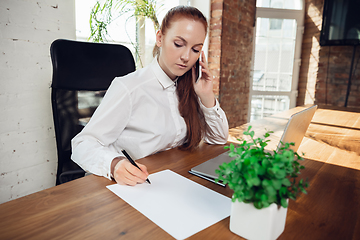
(203, 85)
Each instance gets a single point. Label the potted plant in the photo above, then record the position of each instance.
(262, 182)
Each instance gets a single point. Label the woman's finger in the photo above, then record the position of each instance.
(143, 169)
(193, 74)
(126, 173)
(135, 172)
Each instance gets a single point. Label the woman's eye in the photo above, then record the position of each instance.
(177, 45)
(196, 51)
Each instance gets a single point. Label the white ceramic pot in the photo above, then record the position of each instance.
(253, 224)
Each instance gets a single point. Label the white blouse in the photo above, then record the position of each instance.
(140, 114)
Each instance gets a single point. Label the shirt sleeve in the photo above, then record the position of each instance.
(92, 148)
(215, 117)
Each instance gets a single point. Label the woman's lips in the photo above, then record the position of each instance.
(181, 66)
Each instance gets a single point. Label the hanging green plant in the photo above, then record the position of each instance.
(105, 12)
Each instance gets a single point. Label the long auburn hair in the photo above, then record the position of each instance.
(189, 106)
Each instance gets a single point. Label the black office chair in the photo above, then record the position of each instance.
(80, 70)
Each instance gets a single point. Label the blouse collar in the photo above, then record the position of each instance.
(161, 76)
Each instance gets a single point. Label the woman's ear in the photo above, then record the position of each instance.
(159, 38)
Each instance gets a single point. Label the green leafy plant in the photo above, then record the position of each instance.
(104, 13)
(262, 177)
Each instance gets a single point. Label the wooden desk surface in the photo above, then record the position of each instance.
(85, 209)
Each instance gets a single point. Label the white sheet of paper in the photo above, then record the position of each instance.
(178, 205)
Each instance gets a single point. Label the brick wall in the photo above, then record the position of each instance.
(230, 54)
(27, 140)
(325, 70)
(215, 42)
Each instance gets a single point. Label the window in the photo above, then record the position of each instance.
(278, 35)
(118, 31)
(284, 4)
(125, 30)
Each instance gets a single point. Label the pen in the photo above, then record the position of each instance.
(132, 162)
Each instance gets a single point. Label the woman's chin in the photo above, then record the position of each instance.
(180, 72)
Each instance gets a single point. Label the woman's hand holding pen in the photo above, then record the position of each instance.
(125, 173)
(204, 87)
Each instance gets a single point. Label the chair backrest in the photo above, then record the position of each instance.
(78, 67)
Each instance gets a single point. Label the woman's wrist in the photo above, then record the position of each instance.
(208, 101)
(113, 164)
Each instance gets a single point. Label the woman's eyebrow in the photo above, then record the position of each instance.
(182, 39)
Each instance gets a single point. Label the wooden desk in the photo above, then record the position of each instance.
(85, 209)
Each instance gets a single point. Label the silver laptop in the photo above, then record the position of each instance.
(294, 132)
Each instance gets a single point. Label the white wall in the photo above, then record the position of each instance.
(27, 141)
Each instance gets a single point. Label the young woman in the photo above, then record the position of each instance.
(156, 108)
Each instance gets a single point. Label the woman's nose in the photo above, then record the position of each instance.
(185, 56)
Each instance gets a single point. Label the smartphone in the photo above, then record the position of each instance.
(197, 70)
